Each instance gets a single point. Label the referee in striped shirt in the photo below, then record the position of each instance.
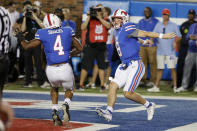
(5, 26)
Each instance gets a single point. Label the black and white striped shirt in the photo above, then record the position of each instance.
(5, 25)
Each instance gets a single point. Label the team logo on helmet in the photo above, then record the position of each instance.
(123, 15)
(51, 21)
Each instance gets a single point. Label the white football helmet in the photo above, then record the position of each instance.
(122, 14)
(51, 21)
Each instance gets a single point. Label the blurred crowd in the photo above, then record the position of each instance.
(99, 53)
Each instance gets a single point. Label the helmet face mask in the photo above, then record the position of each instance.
(117, 22)
(119, 18)
(51, 21)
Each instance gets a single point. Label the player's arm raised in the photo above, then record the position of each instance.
(141, 33)
(30, 44)
(78, 48)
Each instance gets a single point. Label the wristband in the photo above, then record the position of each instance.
(145, 42)
(160, 36)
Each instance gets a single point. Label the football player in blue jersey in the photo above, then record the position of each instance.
(131, 70)
(57, 42)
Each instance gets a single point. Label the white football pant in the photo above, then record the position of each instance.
(61, 75)
(130, 77)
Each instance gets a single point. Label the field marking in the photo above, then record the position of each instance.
(94, 127)
(135, 109)
(75, 105)
(189, 127)
(101, 95)
(90, 127)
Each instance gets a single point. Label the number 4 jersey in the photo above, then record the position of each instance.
(57, 44)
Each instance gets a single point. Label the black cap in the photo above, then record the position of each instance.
(58, 10)
(27, 2)
(192, 11)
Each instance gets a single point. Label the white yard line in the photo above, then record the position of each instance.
(135, 109)
(101, 95)
(94, 127)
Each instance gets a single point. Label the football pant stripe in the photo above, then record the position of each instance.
(137, 76)
(134, 78)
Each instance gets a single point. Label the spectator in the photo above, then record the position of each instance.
(67, 21)
(183, 49)
(165, 50)
(14, 16)
(108, 55)
(148, 52)
(59, 13)
(38, 6)
(30, 23)
(4, 46)
(97, 27)
(191, 59)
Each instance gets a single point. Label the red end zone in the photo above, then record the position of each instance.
(42, 125)
(21, 103)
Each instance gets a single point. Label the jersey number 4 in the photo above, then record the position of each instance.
(58, 45)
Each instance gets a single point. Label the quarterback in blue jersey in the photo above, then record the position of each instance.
(131, 70)
(57, 42)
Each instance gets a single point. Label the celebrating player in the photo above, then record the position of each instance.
(130, 72)
(57, 41)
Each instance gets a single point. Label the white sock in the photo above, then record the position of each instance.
(110, 109)
(147, 104)
(55, 107)
(67, 100)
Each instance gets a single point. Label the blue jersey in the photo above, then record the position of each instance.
(69, 23)
(147, 25)
(127, 48)
(57, 44)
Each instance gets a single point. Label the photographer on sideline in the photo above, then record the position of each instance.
(96, 37)
(30, 23)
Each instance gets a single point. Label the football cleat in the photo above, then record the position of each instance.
(56, 120)
(150, 111)
(66, 115)
(106, 114)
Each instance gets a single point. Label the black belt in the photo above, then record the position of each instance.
(124, 66)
